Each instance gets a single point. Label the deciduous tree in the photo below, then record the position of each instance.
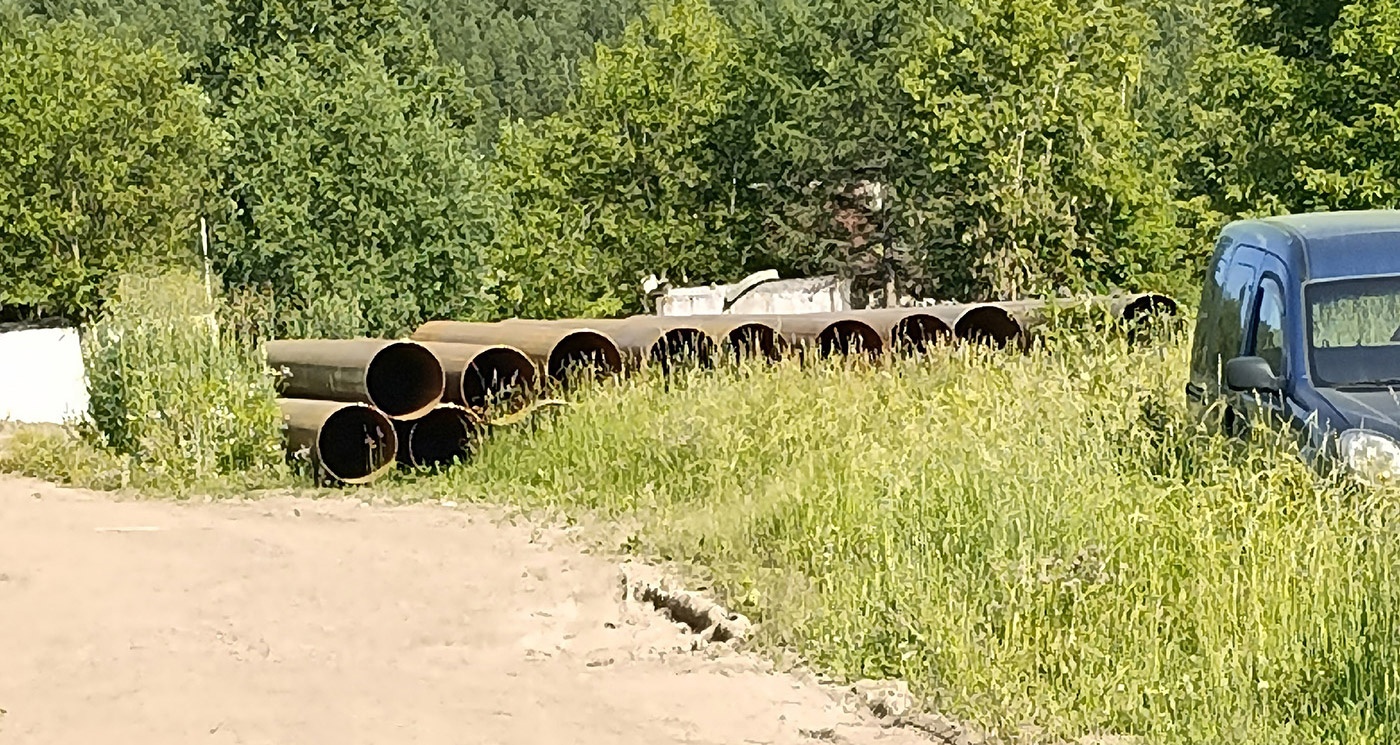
(106, 164)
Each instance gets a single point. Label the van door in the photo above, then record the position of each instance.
(1205, 343)
(1265, 338)
(1221, 327)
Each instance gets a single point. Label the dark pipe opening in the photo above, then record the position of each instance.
(1149, 305)
(498, 377)
(404, 379)
(355, 443)
(584, 354)
(988, 324)
(849, 337)
(915, 334)
(1140, 314)
(754, 340)
(440, 437)
(683, 348)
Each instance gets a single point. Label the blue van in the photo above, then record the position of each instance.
(1299, 321)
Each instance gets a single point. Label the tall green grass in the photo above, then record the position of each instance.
(180, 398)
(1041, 538)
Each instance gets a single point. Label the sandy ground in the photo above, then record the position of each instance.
(300, 621)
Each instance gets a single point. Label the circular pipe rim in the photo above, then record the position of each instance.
(408, 390)
(900, 339)
(586, 341)
(770, 342)
(989, 321)
(842, 330)
(387, 434)
(680, 344)
(1147, 304)
(519, 363)
(455, 416)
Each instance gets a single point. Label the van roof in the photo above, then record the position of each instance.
(1328, 245)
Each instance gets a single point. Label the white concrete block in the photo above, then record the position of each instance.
(41, 376)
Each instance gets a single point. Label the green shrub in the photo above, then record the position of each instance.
(58, 454)
(185, 400)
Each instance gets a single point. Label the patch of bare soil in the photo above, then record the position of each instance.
(314, 621)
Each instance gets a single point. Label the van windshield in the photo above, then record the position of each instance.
(1354, 332)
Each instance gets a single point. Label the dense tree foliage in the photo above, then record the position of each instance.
(369, 165)
(522, 58)
(1042, 166)
(837, 178)
(359, 192)
(106, 163)
(192, 26)
(631, 178)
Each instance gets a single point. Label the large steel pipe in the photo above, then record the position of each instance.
(742, 337)
(907, 330)
(989, 324)
(980, 322)
(645, 340)
(560, 351)
(1132, 307)
(446, 434)
(1121, 307)
(1126, 309)
(351, 443)
(400, 378)
(829, 333)
(481, 376)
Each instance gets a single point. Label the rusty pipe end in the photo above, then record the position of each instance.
(754, 340)
(405, 380)
(1147, 305)
(499, 376)
(849, 336)
(591, 352)
(442, 436)
(683, 347)
(915, 334)
(1139, 313)
(988, 324)
(350, 443)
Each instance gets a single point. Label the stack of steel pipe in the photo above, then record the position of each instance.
(355, 407)
(736, 336)
(495, 378)
(1128, 310)
(642, 341)
(829, 334)
(565, 353)
(608, 346)
(482, 381)
(570, 349)
(342, 397)
(865, 333)
(1002, 324)
(907, 330)
(1123, 308)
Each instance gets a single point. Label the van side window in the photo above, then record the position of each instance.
(1268, 324)
(1203, 345)
(1235, 304)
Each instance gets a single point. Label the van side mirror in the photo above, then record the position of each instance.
(1251, 374)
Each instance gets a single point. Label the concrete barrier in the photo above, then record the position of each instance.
(41, 374)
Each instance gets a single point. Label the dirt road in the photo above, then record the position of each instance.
(299, 621)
